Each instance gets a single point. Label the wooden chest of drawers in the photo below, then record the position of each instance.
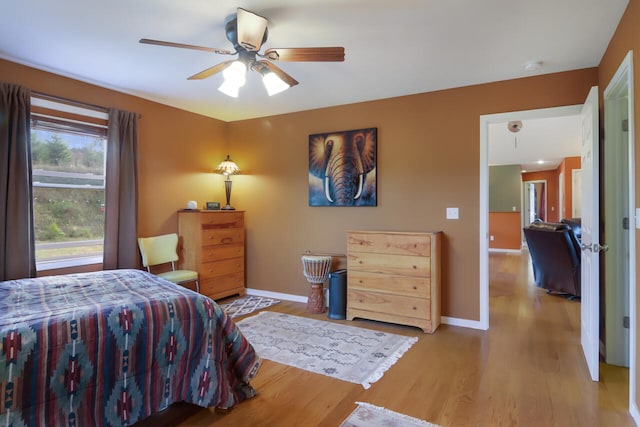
(212, 243)
(394, 277)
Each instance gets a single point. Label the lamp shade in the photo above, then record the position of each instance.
(228, 167)
(273, 83)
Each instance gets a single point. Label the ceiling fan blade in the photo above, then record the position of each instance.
(251, 29)
(314, 54)
(278, 72)
(187, 46)
(211, 70)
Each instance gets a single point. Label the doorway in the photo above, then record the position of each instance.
(623, 82)
(485, 122)
(534, 201)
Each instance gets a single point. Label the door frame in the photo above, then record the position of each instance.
(620, 85)
(524, 221)
(485, 121)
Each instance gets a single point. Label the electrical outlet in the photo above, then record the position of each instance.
(492, 238)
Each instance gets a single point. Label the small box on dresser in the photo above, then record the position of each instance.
(213, 244)
(394, 277)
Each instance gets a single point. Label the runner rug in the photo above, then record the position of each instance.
(246, 305)
(348, 353)
(367, 415)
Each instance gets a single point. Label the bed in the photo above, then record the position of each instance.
(110, 348)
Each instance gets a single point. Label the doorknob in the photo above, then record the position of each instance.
(595, 247)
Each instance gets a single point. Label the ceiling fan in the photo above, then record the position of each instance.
(248, 32)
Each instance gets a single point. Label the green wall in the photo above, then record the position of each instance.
(504, 188)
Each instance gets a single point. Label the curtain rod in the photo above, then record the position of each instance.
(70, 102)
(74, 103)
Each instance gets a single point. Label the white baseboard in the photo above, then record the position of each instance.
(276, 295)
(512, 251)
(635, 414)
(465, 323)
(453, 321)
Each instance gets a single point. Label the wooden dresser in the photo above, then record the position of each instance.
(212, 243)
(394, 277)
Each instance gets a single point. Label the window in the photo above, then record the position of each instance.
(68, 155)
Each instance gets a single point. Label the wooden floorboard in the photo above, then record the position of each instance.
(526, 370)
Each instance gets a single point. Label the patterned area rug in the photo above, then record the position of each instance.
(348, 353)
(367, 415)
(246, 305)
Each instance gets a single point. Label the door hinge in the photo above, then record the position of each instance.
(625, 125)
(625, 223)
(625, 322)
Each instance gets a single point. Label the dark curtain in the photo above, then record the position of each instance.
(17, 241)
(121, 193)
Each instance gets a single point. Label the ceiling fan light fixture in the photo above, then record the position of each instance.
(235, 74)
(229, 89)
(251, 29)
(273, 83)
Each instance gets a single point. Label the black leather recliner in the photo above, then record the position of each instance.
(575, 224)
(555, 254)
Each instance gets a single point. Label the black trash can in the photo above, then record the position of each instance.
(337, 295)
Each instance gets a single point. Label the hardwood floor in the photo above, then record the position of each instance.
(526, 370)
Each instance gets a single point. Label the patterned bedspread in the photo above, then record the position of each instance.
(112, 347)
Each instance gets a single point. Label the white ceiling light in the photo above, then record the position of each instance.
(273, 83)
(533, 65)
(229, 89)
(234, 78)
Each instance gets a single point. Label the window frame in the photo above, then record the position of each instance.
(52, 115)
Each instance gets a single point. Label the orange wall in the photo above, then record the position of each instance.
(505, 227)
(552, 190)
(423, 168)
(626, 38)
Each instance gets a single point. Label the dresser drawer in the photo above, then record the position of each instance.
(389, 304)
(218, 220)
(418, 287)
(215, 287)
(389, 243)
(220, 268)
(389, 264)
(224, 236)
(220, 252)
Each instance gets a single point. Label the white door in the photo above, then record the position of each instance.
(590, 273)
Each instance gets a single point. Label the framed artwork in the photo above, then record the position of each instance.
(342, 168)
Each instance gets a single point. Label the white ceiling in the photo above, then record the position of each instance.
(392, 48)
(541, 143)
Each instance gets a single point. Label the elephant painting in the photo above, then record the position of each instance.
(342, 168)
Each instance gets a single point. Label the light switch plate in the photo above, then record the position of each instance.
(452, 213)
(637, 217)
